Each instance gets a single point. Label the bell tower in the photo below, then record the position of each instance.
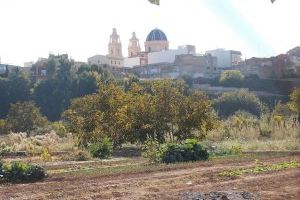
(115, 55)
(134, 47)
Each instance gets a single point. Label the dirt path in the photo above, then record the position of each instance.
(162, 184)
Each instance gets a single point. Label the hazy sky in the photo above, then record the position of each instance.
(32, 28)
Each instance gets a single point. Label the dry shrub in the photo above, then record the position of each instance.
(35, 144)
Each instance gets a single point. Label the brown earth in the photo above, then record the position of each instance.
(163, 184)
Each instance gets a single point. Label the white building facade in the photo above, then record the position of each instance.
(226, 59)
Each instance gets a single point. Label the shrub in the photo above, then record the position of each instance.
(59, 129)
(78, 155)
(4, 149)
(231, 102)
(3, 127)
(45, 155)
(152, 151)
(101, 149)
(190, 150)
(25, 117)
(232, 78)
(20, 172)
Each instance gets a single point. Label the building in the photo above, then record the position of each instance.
(98, 60)
(157, 60)
(134, 48)
(28, 64)
(227, 59)
(185, 64)
(6, 69)
(3, 70)
(115, 55)
(168, 56)
(156, 41)
(277, 67)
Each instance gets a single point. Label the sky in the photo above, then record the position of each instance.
(34, 28)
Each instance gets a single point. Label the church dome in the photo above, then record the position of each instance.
(156, 35)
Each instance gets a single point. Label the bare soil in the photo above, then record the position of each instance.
(164, 184)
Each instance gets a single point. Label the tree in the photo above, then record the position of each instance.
(160, 110)
(230, 102)
(93, 117)
(53, 94)
(231, 78)
(13, 89)
(25, 117)
(295, 101)
(4, 97)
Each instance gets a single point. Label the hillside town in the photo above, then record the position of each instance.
(158, 61)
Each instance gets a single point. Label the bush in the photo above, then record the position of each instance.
(190, 150)
(231, 78)
(231, 102)
(21, 172)
(59, 129)
(4, 149)
(101, 149)
(78, 155)
(3, 127)
(25, 117)
(45, 155)
(152, 151)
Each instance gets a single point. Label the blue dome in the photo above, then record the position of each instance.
(156, 35)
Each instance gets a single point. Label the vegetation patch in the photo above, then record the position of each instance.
(188, 150)
(20, 172)
(261, 169)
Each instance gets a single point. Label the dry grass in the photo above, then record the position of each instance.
(263, 134)
(35, 144)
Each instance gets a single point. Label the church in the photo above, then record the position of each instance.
(156, 50)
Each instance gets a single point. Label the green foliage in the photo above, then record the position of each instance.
(261, 169)
(152, 151)
(231, 78)
(242, 119)
(189, 150)
(4, 149)
(63, 82)
(3, 127)
(45, 155)
(20, 172)
(101, 149)
(295, 101)
(232, 150)
(25, 117)
(60, 128)
(230, 102)
(15, 88)
(162, 110)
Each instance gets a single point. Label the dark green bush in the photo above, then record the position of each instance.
(190, 150)
(20, 172)
(101, 149)
(240, 100)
